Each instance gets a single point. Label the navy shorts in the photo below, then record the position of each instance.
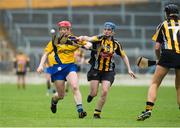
(62, 74)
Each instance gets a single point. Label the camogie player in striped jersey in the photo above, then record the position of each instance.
(102, 64)
(167, 49)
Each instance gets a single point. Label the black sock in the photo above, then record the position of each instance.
(149, 106)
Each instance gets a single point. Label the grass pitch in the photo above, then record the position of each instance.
(31, 108)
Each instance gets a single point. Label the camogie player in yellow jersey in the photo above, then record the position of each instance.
(21, 66)
(102, 64)
(167, 49)
(62, 65)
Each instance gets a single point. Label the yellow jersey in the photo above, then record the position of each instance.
(63, 53)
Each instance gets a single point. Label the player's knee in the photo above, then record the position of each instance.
(104, 92)
(75, 88)
(60, 96)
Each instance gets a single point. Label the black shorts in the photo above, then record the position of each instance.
(94, 74)
(21, 73)
(169, 59)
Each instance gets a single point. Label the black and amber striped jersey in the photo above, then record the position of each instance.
(21, 62)
(103, 58)
(168, 34)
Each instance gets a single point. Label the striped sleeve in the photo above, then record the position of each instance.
(158, 36)
(119, 49)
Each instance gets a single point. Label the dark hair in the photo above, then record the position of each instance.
(171, 10)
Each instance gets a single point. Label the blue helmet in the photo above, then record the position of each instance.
(110, 25)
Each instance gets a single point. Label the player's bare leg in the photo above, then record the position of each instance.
(158, 76)
(18, 82)
(177, 83)
(48, 83)
(72, 78)
(67, 87)
(105, 88)
(94, 85)
(23, 82)
(57, 96)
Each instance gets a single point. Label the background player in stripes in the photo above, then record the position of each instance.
(21, 66)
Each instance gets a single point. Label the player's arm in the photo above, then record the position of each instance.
(27, 63)
(90, 40)
(157, 50)
(15, 63)
(87, 38)
(87, 44)
(126, 61)
(124, 57)
(48, 50)
(42, 62)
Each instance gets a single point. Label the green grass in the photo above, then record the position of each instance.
(30, 108)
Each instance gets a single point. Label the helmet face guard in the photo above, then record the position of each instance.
(171, 9)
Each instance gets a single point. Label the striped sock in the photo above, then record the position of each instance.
(149, 106)
(97, 112)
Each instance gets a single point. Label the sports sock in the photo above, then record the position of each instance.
(97, 112)
(79, 107)
(54, 101)
(149, 106)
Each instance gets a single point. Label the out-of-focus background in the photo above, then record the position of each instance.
(25, 26)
